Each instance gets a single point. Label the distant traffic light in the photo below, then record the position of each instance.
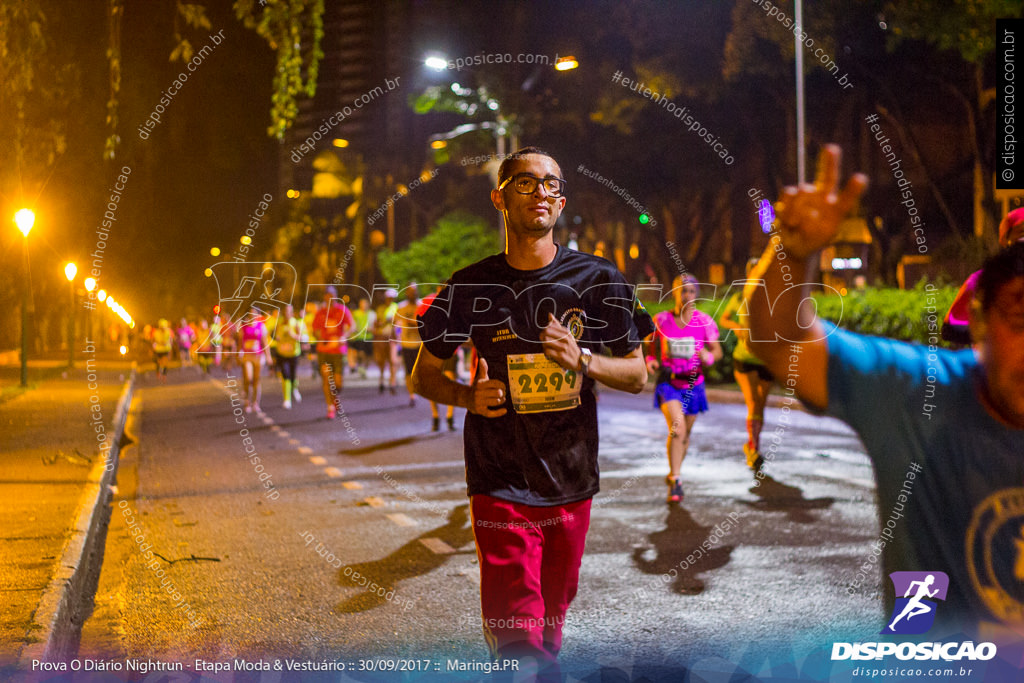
(644, 219)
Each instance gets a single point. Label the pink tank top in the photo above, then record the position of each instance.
(252, 337)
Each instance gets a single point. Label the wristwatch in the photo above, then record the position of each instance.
(585, 356)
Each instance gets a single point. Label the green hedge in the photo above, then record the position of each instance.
(881, 311)
(888, 312)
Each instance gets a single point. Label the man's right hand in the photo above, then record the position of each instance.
(487, 393)
(809, 215)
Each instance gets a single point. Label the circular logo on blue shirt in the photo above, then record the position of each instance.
(995, 554)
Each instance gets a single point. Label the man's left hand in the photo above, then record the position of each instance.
(559, 344)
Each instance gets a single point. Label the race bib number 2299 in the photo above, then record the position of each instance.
(540, 385)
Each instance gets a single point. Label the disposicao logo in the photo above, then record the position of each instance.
(913, 614)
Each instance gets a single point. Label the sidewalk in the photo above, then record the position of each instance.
(51, 469)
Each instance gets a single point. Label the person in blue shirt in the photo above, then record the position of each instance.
(944, 429)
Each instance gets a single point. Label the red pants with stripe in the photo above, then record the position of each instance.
(529, 570)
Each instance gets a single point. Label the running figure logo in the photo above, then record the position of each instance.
(914, 613)
(266, 286)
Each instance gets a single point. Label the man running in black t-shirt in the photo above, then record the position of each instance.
(535, 314)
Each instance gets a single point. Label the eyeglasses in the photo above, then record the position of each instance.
(524, 183)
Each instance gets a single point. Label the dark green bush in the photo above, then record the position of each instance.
(880, 311)
(889, 312)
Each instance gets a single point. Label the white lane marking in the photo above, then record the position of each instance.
(437, 546)
(352, 485)
(293, 442)
(333, 472)
(401, 519)
(283, 434)
(318, 460)
(305, 450)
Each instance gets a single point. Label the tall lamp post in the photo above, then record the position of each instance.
(70, 270)
(90, 285)
(24, 219)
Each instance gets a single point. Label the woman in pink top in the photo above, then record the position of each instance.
(254, 349)
(684, 342)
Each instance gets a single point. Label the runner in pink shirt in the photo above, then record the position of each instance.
(684, 342)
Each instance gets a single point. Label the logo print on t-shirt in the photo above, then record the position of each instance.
(995, 554)
(573, 320)
(914, 612)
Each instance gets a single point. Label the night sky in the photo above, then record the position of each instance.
(205, 166)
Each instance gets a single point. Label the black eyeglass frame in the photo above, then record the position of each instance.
(536, 182)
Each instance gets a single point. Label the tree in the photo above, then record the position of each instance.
(964, 28)
(294, 30)
(40, 93)
(457, 240)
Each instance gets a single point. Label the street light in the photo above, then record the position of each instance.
(90, 285)
(436, 62)
(24, 219)
(566, 63)
(70, 270)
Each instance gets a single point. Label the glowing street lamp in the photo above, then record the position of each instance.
(101, 295)
(90, 284)
(24, 219)
(436, 62)
(215, 251)
(70, 270)
(566, 63)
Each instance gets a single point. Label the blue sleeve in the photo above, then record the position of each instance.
(888, 391)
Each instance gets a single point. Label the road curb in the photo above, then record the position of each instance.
(60, 612)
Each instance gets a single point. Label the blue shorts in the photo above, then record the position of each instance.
(694, 400)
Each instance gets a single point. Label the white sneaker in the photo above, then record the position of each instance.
(296, 395)
(287, 404)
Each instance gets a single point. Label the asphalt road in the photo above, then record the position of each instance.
(382, 497)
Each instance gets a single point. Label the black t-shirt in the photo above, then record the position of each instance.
(543, 451)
